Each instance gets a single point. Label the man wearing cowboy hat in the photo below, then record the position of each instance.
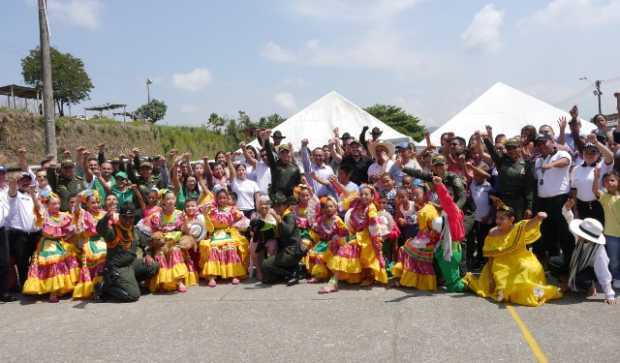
(589, 260)
(66, 184)
(285, 173)
(382, 152)
(123, 269)
(277, 138)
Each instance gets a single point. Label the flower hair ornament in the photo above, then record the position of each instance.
(85, 194)
(298, 189)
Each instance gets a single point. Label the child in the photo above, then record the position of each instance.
(263, 233)
(480, 190)
(610, 200)
(589, 260)
(388, 230)
(53, 270)
(327, 228)
(224, 254)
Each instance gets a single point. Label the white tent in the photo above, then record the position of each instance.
(317, 121)
(507, 110)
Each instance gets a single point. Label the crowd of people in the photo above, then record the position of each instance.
(494, 214)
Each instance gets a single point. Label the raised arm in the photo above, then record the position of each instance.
(231, 167)
(495, 156)
(246, 155)
(607, 154)
(596, 183)
(419, 174)
(562, 125)
(101, 153)
(305, 157)
(363, 141)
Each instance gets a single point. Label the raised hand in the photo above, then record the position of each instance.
(562, 123)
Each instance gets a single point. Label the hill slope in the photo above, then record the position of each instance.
(26, 129)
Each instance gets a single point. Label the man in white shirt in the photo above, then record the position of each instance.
(261, 173)
(406, 159)
(4, 243)
(553, 183)
(382, 152)
(22, 231)
(317, 172)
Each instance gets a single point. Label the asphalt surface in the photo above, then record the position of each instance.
(254, 323)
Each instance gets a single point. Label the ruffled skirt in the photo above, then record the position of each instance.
(357, 259)
(414, 267)
(225, 255)
(315, 261)
(93, 262)
(54, 270)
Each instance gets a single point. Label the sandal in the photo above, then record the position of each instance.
(212, 283)
(235, 281)
(181, 288)
(53, 298)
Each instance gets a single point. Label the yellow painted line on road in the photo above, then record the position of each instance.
(529, 338)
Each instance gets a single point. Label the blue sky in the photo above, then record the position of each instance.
(431, 57)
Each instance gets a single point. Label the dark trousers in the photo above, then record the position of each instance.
(592, 209)
(468, 245)
(554, 230)
(585, 278)
(4, 262)
(280, 266)
(22, 246)
(517, 203)
(482, 230)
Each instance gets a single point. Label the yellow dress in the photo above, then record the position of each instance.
(94, 250)
(514, 269)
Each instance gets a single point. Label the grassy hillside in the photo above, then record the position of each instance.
(26, 129)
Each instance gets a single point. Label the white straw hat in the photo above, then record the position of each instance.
(589, 229)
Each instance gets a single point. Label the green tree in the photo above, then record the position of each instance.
(271, 121)
(152, 111)
(70, 81)
(215, 122)
(398, 119)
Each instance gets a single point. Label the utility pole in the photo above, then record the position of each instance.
(46, 72)
(148, 91)
(598, 94)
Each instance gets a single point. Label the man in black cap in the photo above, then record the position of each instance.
(285, 173)
(277, 138)
(284, 265)
(123, 270)
(66, 184)
(515, 182)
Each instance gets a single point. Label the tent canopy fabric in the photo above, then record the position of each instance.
(317, 121)
(507, 110)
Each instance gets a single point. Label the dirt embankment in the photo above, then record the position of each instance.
(19, 129)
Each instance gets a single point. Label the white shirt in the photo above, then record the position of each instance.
(555, 181)
(480, 195)
(375, 169)
(245, 189)
(397, 172)
(262, 176)
(21, 213)
(582, 178)
(4, 204)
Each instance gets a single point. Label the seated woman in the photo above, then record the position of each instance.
(225, 253)
(512, 272)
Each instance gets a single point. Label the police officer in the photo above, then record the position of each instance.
(123, 270)
(66, 183)
(515, 183)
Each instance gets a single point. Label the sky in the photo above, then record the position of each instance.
(430, 57)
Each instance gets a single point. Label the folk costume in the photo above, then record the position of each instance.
(54, 268)
(513, 273)
(451, 229)
(225, 253)
(93, 247)
(414, 266)
(359, 258)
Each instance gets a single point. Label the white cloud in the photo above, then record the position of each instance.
(380, 48)
(276, 53)
(560, 14)
(484, 31)
(196, 80)
(82, 13)
(286, 101)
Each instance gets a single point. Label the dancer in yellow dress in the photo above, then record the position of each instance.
(512, 272)
(53, 269)
(92, 245)
(225, 253)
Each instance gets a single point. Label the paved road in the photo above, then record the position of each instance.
(253, 323)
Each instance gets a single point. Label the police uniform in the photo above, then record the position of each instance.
(515, 181)
(123, 269)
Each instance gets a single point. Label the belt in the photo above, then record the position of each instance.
(589, 204)
(24, 232)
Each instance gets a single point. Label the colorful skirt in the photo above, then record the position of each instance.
(54, 270)
(315, 260)
(93, 262)
(225, 255)
(414, 267)
(357, 259)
